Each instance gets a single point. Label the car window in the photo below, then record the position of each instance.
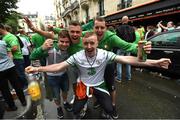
(167, 40)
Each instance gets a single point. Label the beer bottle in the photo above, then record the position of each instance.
(142, 56)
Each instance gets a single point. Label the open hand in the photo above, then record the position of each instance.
(162, 63)
(28, 22)
(48, 44)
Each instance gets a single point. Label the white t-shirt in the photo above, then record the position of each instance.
(56, 56)
(5, 61)
(26, 43)
(91, 70)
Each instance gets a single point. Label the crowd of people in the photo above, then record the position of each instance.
(72, 56)
(12, 74)
(131, 33)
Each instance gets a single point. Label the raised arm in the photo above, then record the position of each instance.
(41, 32)
(161, 63)
(49, 68)
(162, 26)
(42, 52)
(129, 47)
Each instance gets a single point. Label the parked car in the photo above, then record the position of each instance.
(167, 45)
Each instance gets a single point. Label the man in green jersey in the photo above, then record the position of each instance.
(12, 43)
(108, 41)
(91, 63)
(75, 33)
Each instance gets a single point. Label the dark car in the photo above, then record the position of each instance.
(167, 45)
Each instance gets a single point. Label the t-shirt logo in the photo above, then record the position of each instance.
(98, 62)
(91, 71)
(105, 46)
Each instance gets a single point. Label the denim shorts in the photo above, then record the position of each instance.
(58, 83)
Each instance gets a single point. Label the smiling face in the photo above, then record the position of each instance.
(64, 43)
(90, 44)
(99, 28)
(75, 33)
(63, 40)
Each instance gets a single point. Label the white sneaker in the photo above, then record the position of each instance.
(72, 101)
(85, 107)
(83, 111)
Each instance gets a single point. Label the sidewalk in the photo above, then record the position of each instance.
(21, 111)
(147, 96)
(31, 110)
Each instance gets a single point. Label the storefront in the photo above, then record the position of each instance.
(149, 13)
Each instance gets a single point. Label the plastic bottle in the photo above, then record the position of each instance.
(33, 88)
(142, 56)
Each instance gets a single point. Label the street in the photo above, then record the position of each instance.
(145, 97)
(39, 42)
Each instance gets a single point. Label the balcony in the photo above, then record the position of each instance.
(123, 5)
(84, 4)
(64, 1)
(74, 5)
(101, 13)
(70, 8)
(66, 11)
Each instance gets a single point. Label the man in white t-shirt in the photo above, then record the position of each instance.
(91, 63)
(26, 46)
(8, 74)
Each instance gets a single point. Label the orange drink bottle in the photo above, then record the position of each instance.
(34, 89)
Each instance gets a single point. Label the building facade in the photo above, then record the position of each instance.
(33, 18)
(38, 21)
(148, 13)
(84, 10)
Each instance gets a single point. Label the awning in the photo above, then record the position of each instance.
(146, 10)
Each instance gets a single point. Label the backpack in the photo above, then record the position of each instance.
(126, 32)
(20, 42)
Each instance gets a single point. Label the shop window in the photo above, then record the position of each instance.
(126, 3)
(101, 8)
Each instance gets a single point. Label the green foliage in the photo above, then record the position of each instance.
(12, 20)
(8, 15)
(6, 8)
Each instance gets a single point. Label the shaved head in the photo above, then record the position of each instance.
(125, 19)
